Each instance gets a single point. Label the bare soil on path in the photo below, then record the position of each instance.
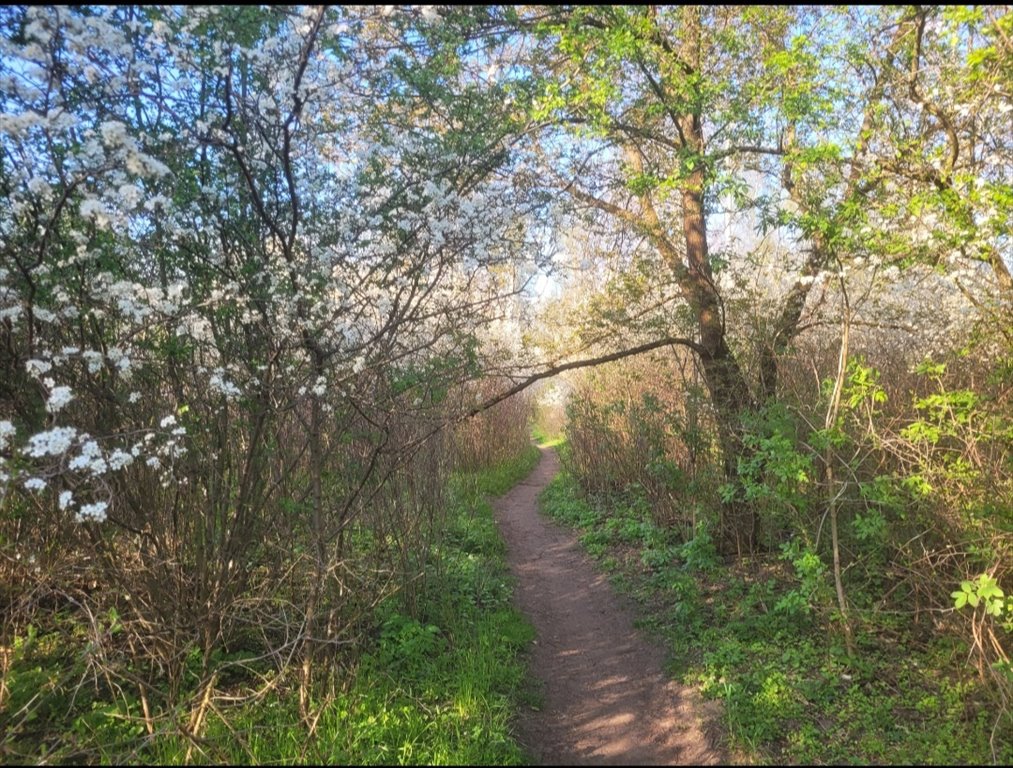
(606, 698)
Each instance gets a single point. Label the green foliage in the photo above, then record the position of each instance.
(776, 476)
(812, 583)
(870, 527)
(48, 714)
(953, 427)
(560, 501)
(545, 438)
(753, 636)
(407, 647)
(700, 553)
(497, 479)
(862, 385)
(437, 684)
(983, 591)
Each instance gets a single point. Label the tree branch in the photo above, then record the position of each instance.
(746, 149)
(587, 363)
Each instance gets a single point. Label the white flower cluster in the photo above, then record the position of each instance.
(37, 368)
(119, 459)
(58, 398)
(89, 458)
(223, 386)
(88, 463)
(94, 513)
(54, 442)
(93, 360)
(136, 301)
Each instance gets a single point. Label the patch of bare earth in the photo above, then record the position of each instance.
(607, 699)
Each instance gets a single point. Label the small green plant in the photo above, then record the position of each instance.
(700, 553)
(408, 646)
(810, 571)
(983, 591)
(776, 475)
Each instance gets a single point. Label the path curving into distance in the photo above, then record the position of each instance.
(607, 699)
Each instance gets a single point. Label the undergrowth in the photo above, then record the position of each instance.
(747, 635)
(435, 685)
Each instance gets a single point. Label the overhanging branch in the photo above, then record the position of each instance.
(554, 371)
(587, 363)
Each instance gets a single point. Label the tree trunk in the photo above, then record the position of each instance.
(728, 387)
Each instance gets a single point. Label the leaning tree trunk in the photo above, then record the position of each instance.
(729, 390)
(690, 266)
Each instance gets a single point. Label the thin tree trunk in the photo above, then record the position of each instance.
(833, 493)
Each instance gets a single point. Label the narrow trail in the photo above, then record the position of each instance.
(606, 697)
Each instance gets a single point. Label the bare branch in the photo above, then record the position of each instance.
(587, 363)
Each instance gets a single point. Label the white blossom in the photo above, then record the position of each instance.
(37, 367)
(91, 208)
(55, 442)
(90, 458)
(95, 512)
(129, 195)
(58, 398)
(119, 459)
(93, 360)
(7, 431)
(113, 133)
(220, 384)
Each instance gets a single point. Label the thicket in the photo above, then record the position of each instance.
(240, 309)
(912, 467)
(427, 672)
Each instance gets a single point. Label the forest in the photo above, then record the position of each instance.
(290, 295)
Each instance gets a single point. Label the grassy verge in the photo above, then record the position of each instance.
(435, 686)
(749, 636)
(545, 438)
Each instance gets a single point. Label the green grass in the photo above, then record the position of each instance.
(470, 487)
(790, 692)
(437, 685)
(545, 439)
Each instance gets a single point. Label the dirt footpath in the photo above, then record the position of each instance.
(606, 698)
